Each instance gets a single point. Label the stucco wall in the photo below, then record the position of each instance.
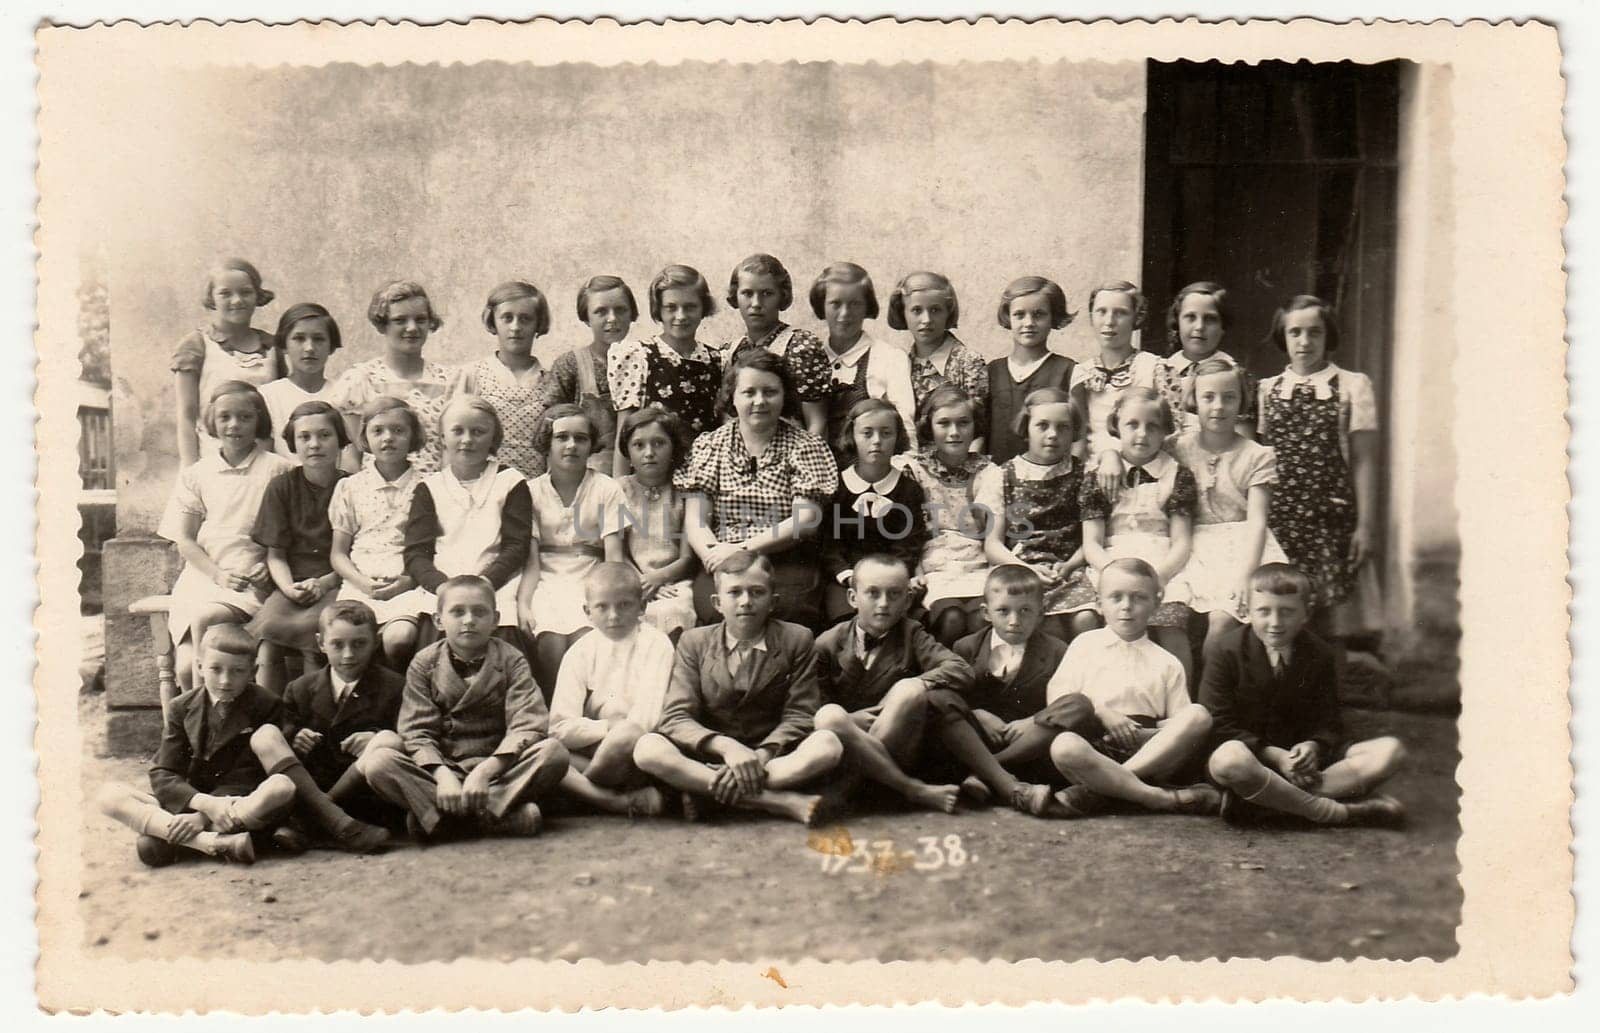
(338, 178)
(1424, 541)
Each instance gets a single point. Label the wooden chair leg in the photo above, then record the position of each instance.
(166, 677)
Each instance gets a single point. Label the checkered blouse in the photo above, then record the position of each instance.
(750, 495)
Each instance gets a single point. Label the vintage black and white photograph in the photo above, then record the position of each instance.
(992, 505)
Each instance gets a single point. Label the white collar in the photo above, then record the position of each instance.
(733, 643)
(618, 643)
(856, 353)
(1020, 372)
(996, 644)
(1321, 381)
(341, 687)
(699, 353)
(1178, 362)
(475, 493)
(222, 465)
(939, 358)
(370, 466)
(1113, 640)
(859, 484)
(1157, 467)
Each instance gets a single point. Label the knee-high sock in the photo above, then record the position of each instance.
(1279, 794)
(150, 819)
(349, 782)
(313, 801)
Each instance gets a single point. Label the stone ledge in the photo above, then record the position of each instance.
(132, 732)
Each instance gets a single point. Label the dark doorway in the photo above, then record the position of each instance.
(1275, 179)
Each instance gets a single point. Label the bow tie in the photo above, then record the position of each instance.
(1139, 475)
(868, 644)
(871, 504)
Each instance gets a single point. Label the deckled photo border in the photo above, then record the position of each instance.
(1516, 867)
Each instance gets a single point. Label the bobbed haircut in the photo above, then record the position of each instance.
(351, 611)
(544, 430)
(235, 265)
(599, 285)
(1299, 303)
(881, 559)
(311, 410)
(474, 582)
(387, 403)
(1281, 579)
(843, 274)
(1024, 286)
(393, 293)
(944, 396)
(680, 277)
(669, 421)
(516, 290)
(1211, 367)
(762, 265)
(845, 443)
(1043, 396)
(300, 313)
(745, 560)
(1141, 308)
(1014, 579)
(1135, 566)
(762, 361)
(232, 639)
(921, 281)
(475, 403)
(1205, 289)
(208, 415)
(1137, 393)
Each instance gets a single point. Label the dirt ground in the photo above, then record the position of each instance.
(608, 888)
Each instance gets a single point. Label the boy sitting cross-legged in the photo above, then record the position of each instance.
(209, 792)
(1145, 730)
(331, 717)
(473, 750)
(609, 693)
(738, 721)
(1272, 690)
(1002, 730)
(877, 671)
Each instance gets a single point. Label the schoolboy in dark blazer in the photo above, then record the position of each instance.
(737, 724)
(878, 669)
(208, 790)
(1001, 731)
(331, 717)
(1279, 742)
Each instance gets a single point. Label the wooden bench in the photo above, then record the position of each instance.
(156, 607)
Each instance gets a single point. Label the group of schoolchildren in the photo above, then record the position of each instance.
(781, 575)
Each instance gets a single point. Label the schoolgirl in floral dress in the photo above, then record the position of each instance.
(925, 304)
(672, 369)
(761, 289)
(402, 313)
(1322, 421)
(1034, 497)
(512, 379)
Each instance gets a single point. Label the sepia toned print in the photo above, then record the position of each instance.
(1003, 745)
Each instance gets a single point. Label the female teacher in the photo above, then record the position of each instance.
(758, 484)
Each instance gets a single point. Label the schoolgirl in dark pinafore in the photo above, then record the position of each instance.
(1307, 421)
(1044, 527)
